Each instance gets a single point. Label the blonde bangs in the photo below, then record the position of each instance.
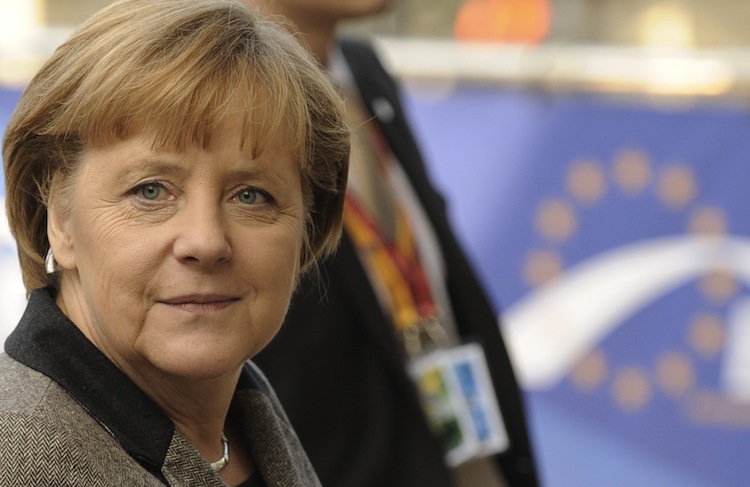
(188, 115)
(180, 97)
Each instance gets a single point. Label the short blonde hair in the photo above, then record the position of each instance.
(176, 69)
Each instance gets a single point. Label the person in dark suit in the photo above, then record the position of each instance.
(339, 364)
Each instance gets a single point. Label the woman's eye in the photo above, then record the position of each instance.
(150, 191)
(250, 196)
(153, 191)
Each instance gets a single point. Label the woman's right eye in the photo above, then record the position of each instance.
(149, 191)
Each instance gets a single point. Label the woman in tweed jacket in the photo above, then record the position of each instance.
(171, 172)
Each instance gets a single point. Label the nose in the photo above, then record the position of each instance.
(202, 235)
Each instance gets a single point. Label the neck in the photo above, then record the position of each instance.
(198, 407)
(204, 421)
(319, 41)
(318, 30)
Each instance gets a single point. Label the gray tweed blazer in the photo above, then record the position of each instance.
(49, 436)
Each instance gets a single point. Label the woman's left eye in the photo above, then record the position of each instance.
(150, 191)
(250, 196)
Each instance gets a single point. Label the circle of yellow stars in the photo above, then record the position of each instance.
(672, 374)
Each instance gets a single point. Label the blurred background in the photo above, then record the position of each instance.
(596, 158)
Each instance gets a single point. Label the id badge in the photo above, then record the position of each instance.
(460, 402)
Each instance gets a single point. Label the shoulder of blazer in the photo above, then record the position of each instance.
(43, 427)
(371, 77)
(382, 98)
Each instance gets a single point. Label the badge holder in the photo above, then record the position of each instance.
(457, 395)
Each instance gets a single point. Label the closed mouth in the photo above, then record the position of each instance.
(200, 299)
(201, 302)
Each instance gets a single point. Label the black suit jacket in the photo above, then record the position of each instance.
(337, 366)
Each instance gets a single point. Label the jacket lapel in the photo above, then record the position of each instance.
(274, 445)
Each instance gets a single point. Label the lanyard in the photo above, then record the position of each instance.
(397, 262)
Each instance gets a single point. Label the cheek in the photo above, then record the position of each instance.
(278, 256)
(98, 230)
(287, 267)
(114, 256)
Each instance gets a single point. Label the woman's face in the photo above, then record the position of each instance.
(180, 263)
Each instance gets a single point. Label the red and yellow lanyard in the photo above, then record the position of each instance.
(397, 262)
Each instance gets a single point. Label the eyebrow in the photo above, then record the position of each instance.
(149, 164)
(162, 165)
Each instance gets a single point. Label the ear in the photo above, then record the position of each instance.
(59, 233)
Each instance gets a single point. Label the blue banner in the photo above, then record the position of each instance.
(613, 234)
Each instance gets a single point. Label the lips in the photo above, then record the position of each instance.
(200, 299)
(201, 302)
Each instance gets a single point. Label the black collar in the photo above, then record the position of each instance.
(47, 341)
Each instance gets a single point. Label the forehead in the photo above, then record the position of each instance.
(135, 158)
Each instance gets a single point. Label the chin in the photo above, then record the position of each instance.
(200, 363)
(199, 370)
